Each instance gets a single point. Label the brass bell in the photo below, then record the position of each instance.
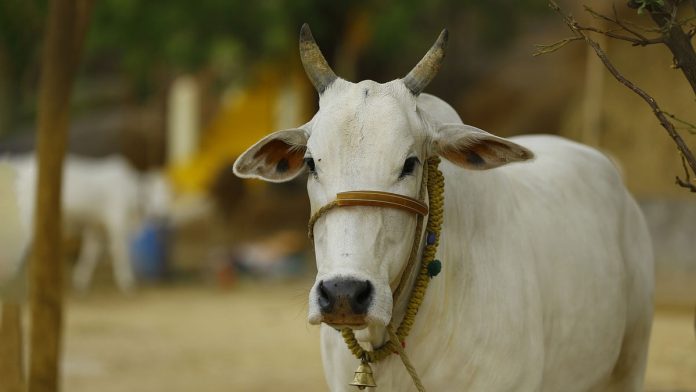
(363, 376)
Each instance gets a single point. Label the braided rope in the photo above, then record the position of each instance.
(316, 216)
(407, 363)
(434, 182)
(408, 269)
(436, 186)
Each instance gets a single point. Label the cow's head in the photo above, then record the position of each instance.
(366, 136)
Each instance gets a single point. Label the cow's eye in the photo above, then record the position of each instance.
(309, 161)
(409, 166)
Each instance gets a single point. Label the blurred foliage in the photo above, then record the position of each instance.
(147, 42)
(21, 26)
(146, 37)
(188, 35)
(398, 24)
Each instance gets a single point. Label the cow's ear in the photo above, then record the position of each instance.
(278, 157)
(473, 148)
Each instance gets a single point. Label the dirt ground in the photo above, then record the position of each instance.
(253, 337)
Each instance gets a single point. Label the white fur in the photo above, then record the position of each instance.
(547, 272)
(101, 198)
(14, 232)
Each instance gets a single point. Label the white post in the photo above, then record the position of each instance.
(288, 107)
(183, 119)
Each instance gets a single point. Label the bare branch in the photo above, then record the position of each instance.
(689, 127)
(615, 21)
(544, 49)
(638, 39)
(686, 182)
(645, 29)
(684, 150)
(634, 41)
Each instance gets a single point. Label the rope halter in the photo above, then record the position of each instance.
(433, 183)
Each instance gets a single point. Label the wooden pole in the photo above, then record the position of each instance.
(11, 348)
(64, 35)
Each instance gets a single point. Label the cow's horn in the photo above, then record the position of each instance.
(427, 68)
(314, 63)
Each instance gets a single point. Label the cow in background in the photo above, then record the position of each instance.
(105, 200)
(14, 229)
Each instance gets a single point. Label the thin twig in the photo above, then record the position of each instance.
(684, 150)
(624, 25)
(689, 127)
(638, 39)
(634, 41)
(642, 28)
(686, 182)
(615, 21)
(544, 49)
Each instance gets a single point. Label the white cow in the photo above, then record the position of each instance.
(105, 199)
(14, 230)
(547, 274)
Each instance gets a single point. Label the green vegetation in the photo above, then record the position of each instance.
(146, 43)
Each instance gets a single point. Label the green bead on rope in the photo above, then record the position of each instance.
(434, 268)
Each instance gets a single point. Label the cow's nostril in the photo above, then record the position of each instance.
(325, 299)
(362, 298)
(344, 296)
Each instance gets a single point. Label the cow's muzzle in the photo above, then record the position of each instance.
(344, 301)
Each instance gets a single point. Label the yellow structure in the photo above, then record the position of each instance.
(276, 99)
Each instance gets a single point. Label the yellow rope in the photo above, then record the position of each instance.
(407, 363)
(436, 186)
(408, 269)
(435, 183)
(316, 216)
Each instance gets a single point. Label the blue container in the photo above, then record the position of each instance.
(149, 251)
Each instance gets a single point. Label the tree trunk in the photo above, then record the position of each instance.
(67, 22)
(11, 372)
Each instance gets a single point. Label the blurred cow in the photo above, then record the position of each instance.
(105, 200)
(14, 227)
